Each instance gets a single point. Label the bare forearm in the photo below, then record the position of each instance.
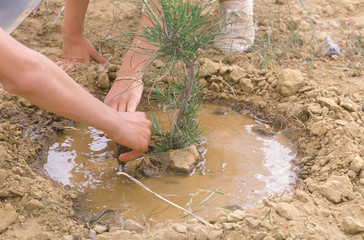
(33, 76)
(74, 16)
(134, 62)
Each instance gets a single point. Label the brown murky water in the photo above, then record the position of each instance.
(241, 167)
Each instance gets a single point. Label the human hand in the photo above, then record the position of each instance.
(134, 132)
(78, 51)
(125, 94)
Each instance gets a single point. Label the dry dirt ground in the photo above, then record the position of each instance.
(317, 101)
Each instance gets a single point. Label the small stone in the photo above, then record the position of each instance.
(210, 67)
(252, 222)
(269, 237)
(21, 218)
(223, 69)
(341, 122)
(216, 216)
(34, 204)
(246, 85)
(330, 48)
(289, 81)
(3, 175)
(199, 232)
(269, 203)
(335, 188)
(263, 129)
(357, 164)
(8, 216)
(158, 63)
(180, 228)
(99, 228)
(184, 160)
(132, 225)
(236, 74)
(227, 226)
(167, 234)
(287, 211)
(348, 106)
(203, 82)
(352, 226)
(319, 128)
(215, 87)
(301, 196)
(91, 234)
(328, 102)
(236, 216)
(351, 174)
(68, 237)
(24, 102)
(103, 81)
(314, 108)
(220, 111)
(215, 234)
(259, 236)
(114, 229)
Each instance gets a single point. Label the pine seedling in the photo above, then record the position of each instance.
(178, 30)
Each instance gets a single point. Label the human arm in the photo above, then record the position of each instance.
(33, 76)
(125, 95)
(77, 49)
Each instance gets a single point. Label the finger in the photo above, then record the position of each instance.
(111, 103)
(128, 156)
(121, 107)
(132, 105)
(97, 57)
(101, 133)
(61, 64)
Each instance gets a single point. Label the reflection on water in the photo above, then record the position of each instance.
(239, 163)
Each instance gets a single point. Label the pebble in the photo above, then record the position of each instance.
(220, 111)
(132, 225)
(330, 47)
(34, 204)
(287, 211)
(8, 216)
(357, 164)
(263, 129)
(99, 228)
(352, 226)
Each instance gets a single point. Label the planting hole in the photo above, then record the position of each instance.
(238, 162)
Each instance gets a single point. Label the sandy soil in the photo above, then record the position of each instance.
(318, 103)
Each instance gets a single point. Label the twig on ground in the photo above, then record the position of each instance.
(162, 198)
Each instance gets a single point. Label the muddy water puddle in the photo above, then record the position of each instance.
(240, 167)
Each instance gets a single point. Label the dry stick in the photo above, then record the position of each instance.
(166, 200)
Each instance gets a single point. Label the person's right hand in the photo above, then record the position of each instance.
(134, 132)
(78, 51)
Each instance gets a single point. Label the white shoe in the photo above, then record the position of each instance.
(237, 26)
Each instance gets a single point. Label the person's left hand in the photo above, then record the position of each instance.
(124, 95)
(77, 51)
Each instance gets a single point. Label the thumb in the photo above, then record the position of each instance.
(97, 57)
(132, 105)
(128, 156)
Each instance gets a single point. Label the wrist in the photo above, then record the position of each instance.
(71, 31)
